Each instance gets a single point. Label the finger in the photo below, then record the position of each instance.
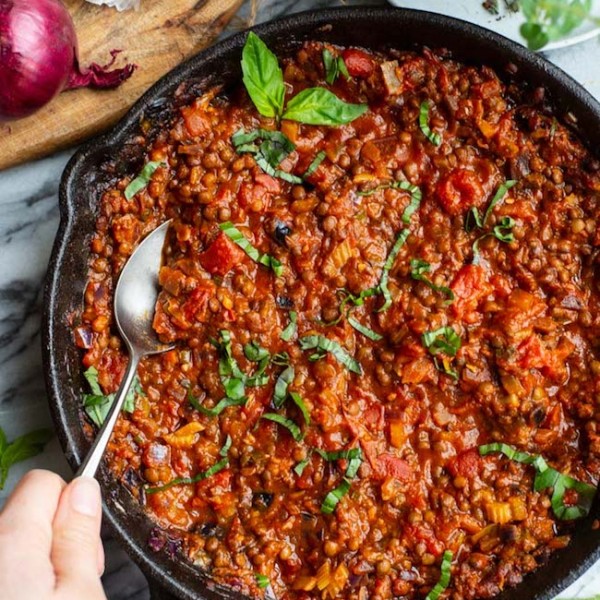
(76, 539)
(26, 530)
(101, 559)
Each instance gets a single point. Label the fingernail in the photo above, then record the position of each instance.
(85, 496)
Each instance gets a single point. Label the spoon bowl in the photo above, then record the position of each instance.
(135, 300)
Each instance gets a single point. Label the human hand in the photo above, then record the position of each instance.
(50, 547)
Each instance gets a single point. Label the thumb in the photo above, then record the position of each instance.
(76, 540)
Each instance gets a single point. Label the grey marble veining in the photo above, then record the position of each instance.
(28, 223)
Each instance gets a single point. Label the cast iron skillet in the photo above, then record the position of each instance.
(100, 162)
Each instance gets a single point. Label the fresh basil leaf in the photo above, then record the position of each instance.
(20, 449)
(3, 442)
(319, 106)
(97, 405)
(323, 344)
(433, 137)
(503, 231)
(345, 454)
(387, 267)
(287, 334)
(237, 237)
(331, 67)
(473, 220)
(143, 179)
(281, 386)
(287, 423)
(219, 466)
(444, 581)
(281, 359)
(255, 352)
(334, 67)
(262, 77)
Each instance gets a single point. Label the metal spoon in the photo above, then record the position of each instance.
(134, 304)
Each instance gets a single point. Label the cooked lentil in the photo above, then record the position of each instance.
(526, 310)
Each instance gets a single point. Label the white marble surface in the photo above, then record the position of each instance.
(28, 223)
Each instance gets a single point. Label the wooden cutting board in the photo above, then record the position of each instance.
(156, 38)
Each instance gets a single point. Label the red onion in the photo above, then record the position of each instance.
(38, 57)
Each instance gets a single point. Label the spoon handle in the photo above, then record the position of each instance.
(91, 462)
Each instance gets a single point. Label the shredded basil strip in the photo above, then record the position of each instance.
(143, 179)
(444, 580)
(281, 386)
(355, 300)
(281, 359)
(222, 464)
(299, 402)
(275, 146)
(502, 232)
(219, 407)
(285, 422)
(334, 67)
(262, 581)
(433, 137)
(314, 165)
(262, 77)
(346, 454)
(226, 446)
(499, 195)
(323, 344)
(444, 340)
(547, 477)
(299, 468)
(333, 497)
(418, 268)
(372, 335)
(97, 405)
(236, 236)
(287, 334)
(389, 263)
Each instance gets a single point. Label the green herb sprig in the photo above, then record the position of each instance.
(263, 79)
(547, 477)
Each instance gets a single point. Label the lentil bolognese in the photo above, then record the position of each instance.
(381, 283)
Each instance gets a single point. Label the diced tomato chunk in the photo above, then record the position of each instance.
(220, 257)
(270, 184)
(459, 191)
(359, 63)
(196, 306)
(467, 463)
(388, 465)
(196, 120)
(469, 286)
